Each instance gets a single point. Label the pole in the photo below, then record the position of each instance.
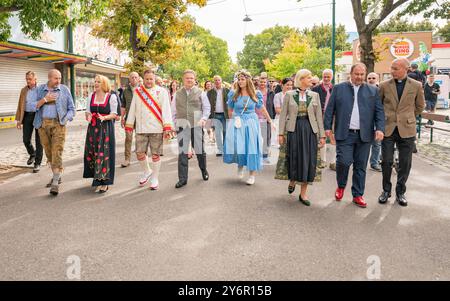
(333, 41)
(71, 66)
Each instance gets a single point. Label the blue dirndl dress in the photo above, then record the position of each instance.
(244, 145)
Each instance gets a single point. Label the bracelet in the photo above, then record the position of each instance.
(45, 100)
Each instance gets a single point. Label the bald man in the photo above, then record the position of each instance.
(403, 100)
(53, 110)
(127, 97)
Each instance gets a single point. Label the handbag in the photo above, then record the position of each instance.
(237, 119)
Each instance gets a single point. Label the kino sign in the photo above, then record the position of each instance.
(402, 48)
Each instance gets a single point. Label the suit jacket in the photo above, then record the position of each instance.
(212, 97)
(289, 112)
(402, 113)
(322, 94)
(270, 105)
(340, 106)
(21, 105)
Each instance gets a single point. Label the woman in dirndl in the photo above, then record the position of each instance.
(243, 141)
(301, 118)
(100, 146)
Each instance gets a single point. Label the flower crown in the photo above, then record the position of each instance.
(244, 73)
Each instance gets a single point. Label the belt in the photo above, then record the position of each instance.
(219, 113)
(353, 131)
(49, 118)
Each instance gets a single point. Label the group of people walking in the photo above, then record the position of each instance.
(309, 118)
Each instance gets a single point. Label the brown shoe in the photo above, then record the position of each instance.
(54, 190)
(333, 166)
(126, 163)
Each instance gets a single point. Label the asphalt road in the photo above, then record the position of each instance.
(221, 229)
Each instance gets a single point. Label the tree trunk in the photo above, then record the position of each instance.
(367, 52)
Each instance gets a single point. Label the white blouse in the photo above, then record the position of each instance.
(113, 103)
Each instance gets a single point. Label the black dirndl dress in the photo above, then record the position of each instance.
(302, 150)
(100, 146)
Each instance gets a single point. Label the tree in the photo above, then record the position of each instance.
(148, 29)
(369, 14)
(35, 15)
(298, 53)
(444, 32)
(216, 51)
(398, 24)
(321, 35)
(192, 54)
(261, 47)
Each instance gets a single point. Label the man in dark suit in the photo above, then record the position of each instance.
(218, 97)
(357, 110)
(403, 100)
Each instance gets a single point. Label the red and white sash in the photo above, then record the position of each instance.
(150, 103)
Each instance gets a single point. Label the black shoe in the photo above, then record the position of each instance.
(31, 160)
(304, 202)
(415, 149)
(219, 155)
(402, 200)
(384, 197)
(291, 189)
(180, 184)
(37, 168)
(205, 175)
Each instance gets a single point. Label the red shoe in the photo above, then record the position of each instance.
(359, 201)
(339, 194)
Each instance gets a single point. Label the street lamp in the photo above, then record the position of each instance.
(247, 19)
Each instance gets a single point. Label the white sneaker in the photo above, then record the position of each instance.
(154, 184)
(144, 179)
(251, 180)
(241, 172)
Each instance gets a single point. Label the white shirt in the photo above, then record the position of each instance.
(219, 101)
(206, 106)
(146, 122)
(112, 103)
(354, 120)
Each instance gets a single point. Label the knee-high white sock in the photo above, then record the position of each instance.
(156, 166)
(145, 166)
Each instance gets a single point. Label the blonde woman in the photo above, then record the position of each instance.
(301, 117)
(100, 146)
(243, 140)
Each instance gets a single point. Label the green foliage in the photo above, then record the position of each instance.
(444, 32)
(297, 53)
(193, 57)
(149, 29)
(261, 47)
(36, 15)
(216, 51)
(322, 34)
(399, 24)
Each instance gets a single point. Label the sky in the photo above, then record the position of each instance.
(224, 18)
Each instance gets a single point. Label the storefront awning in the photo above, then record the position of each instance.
(33, 53)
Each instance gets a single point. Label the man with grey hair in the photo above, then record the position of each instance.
(192, 110)
(324, 90)
(127, 97)
(403, 100)
(218, 98)
(54, 108)
(26, 110)
(373, 80)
